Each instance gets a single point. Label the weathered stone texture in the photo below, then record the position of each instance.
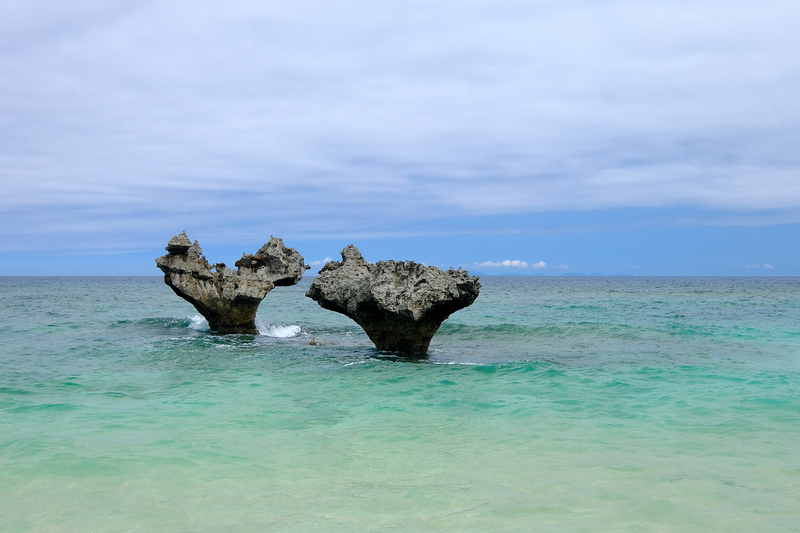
(227, 298)
(400, 305)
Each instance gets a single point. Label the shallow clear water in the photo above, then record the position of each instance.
(556, 404)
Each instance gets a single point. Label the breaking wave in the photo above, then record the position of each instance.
(280, 331)
(276, 330)
(198, 323)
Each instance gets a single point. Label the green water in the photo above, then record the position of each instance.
(551, 404)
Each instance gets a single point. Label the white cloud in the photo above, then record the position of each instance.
(319, 263)
(507, 263)
(758, 265)
(516, 263)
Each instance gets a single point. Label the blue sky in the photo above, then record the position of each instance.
(523, 137)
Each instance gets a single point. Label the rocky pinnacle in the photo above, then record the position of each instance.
(227, 298)
(400, 305)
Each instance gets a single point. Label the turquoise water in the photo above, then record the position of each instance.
(551, 404)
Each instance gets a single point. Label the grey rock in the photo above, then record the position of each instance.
(400, 305)
(179, 244)
(227, 298)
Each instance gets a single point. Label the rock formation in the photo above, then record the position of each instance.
(227, 298)
(399, 304)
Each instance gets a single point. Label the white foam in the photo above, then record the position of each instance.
(198, 323)
(276, 330)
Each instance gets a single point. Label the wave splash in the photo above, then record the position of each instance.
(281, 331)
(276, 330)
(198, 323)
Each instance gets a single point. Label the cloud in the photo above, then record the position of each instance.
(509, 263)
(320, 263)
(757, 265)
(110, 118)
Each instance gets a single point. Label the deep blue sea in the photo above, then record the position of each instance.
(550, 404)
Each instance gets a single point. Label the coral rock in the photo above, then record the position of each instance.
(400, 305)
(227, 298)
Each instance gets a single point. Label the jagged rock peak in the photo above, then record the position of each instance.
(351, 253)
(227, 298)
(179, 244)
(285, 264)
(400, 305)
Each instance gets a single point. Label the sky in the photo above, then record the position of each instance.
(596, 137)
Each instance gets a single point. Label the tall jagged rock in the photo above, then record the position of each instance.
(400, 305)
(227, 298)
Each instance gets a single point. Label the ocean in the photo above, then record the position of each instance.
(550, 404)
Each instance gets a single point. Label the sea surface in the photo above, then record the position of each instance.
(550, 404)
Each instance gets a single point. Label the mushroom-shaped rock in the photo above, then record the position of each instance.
(227, 298)
(400, 305)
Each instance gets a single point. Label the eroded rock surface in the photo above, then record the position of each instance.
(227, 298)
(399, 304)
